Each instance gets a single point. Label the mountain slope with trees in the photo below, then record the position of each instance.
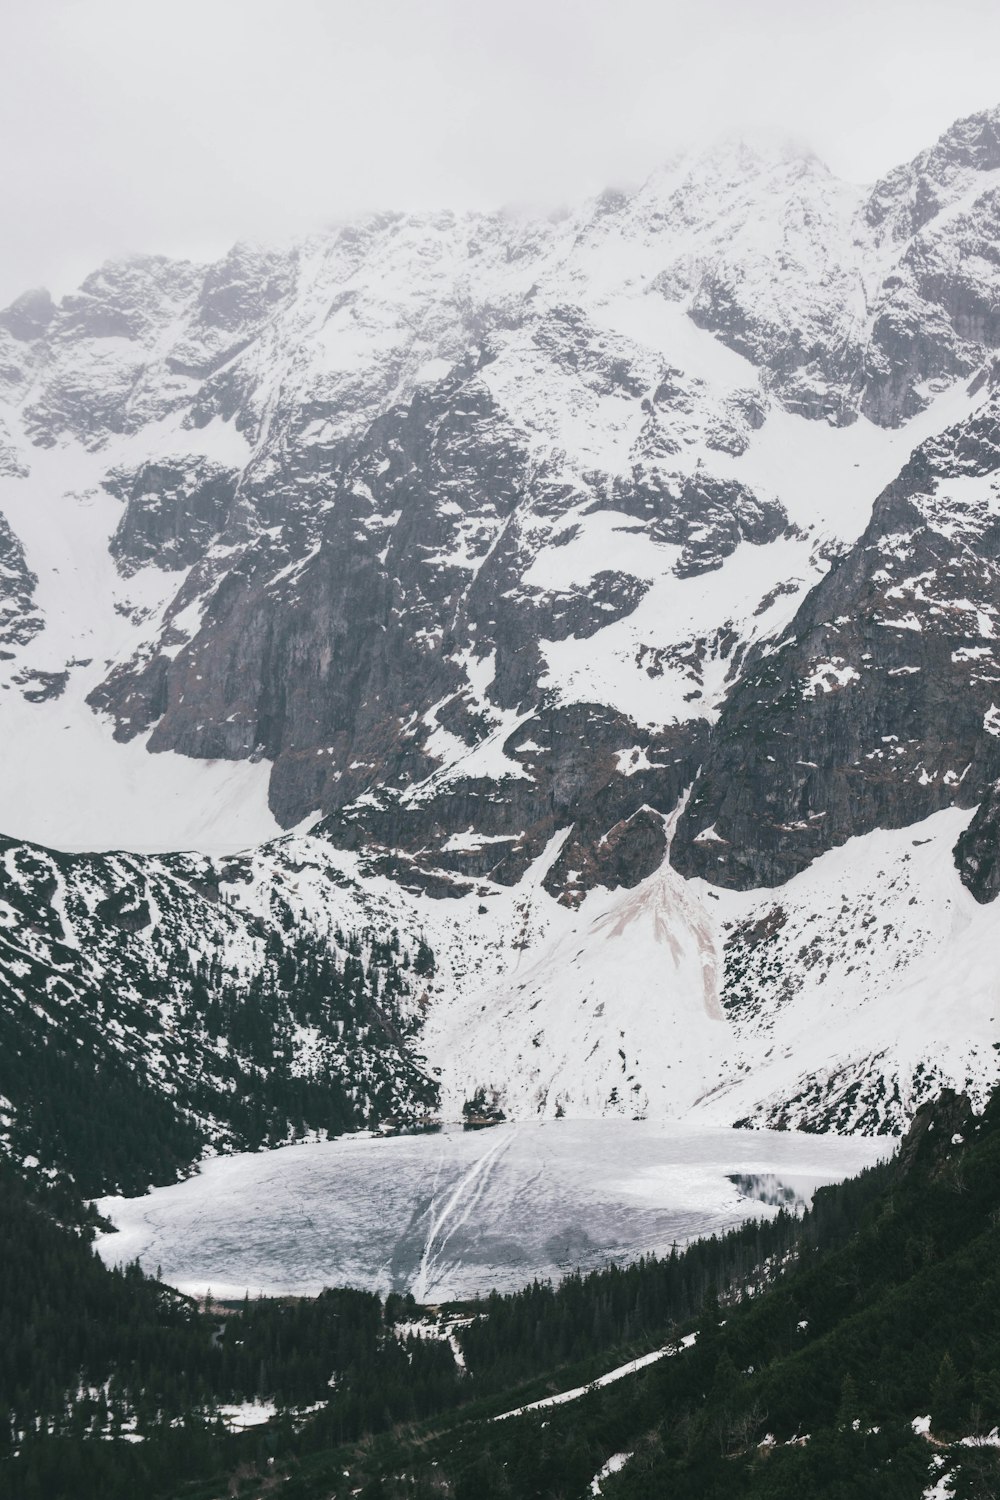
(855, 1353)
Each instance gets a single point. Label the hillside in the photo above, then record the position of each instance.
(854, 1353)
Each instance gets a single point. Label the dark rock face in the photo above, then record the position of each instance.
(878, 705)
(568, 338)
(977, 853)
(810, 375)
(125, 910)
(706, 517)
(19, 619)
(344, 663)
(565, 776)
(583, 611)
(40, 686)
(29, 315)
(244, 287)
(334, 653)
(936, 316)
(929, 1144)
(935, 322)
(173, 511)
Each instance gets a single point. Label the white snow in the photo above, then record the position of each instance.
(470, 842)
(619, 665)
(432, 370)
(241, 1415)
(69, 784)
(444, 1329)
(456, 1213)
(631, 1367)
(942, 1488)
(828, 676)
(902, 973)
(990, 1439)
(613, 1465)
(612, 1008)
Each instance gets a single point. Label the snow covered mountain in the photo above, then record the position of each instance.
(560, 584)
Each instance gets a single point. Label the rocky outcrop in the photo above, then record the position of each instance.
(977, 853)
(174, 510)
(935, 316)
(878, 706)
(581, 772)
(29, 315)
(19, 619)
(937, 1128)
(798, 297)
(706, 517)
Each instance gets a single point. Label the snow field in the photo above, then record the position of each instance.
(457, 1213)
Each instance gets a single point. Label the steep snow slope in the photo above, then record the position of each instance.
(843, 1000)
(862, 987)
(66, 780)
(612, 1008)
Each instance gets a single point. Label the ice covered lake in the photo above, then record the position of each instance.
(457, 1213)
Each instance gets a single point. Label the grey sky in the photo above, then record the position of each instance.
(180, 125)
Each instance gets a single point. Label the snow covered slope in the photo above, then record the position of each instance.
(561, 568)
(66, 780)
(861, 988)
(147, 1018)
(841, 1001)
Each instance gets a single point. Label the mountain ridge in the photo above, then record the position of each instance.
(597, 572)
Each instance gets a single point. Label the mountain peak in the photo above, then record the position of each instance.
(28, 315)
(756, 150)
(971, 142)
(910, 196)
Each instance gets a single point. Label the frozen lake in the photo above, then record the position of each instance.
(456, 1213)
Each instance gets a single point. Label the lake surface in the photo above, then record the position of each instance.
(457, 1213)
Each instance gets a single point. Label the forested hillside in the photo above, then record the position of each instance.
(852, 1353)
(145, 1019)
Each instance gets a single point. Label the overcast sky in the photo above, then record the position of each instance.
(181, 125)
